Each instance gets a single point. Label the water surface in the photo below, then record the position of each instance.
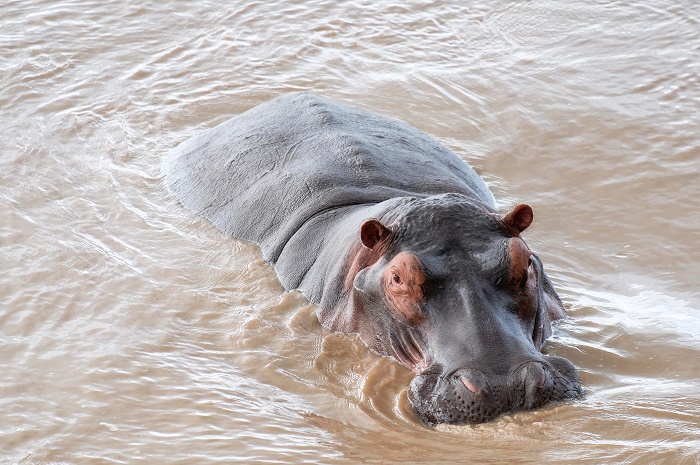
(133, 332)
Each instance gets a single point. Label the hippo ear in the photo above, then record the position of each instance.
(519, 218)
(372, 232)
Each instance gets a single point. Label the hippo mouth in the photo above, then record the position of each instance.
(466, 396)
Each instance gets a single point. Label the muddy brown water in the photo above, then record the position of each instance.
(133, 332)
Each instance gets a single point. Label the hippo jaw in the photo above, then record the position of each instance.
(467, 396)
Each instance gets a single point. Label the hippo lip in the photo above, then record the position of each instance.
(468, 396)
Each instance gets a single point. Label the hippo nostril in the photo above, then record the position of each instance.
(473, 380)
(533, 374)
(536, 383)
(470, 386)
(542, 380)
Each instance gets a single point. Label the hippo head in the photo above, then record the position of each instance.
(447, 287)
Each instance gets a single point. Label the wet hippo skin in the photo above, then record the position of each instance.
(396, 239)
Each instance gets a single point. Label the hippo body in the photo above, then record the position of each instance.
(396, 239)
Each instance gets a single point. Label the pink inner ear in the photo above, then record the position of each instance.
(371, 232)
(519, 218)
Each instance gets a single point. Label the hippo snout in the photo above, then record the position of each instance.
(469, 395)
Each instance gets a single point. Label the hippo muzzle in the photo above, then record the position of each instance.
(486, 362)
(471, 396)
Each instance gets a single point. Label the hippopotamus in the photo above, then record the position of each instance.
(395, 238)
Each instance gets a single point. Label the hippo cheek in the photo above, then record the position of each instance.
(468, 396)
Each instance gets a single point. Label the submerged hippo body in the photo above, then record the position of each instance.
(396, 239)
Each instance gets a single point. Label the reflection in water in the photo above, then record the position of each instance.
(134, 332)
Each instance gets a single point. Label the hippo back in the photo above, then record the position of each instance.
(299, 159)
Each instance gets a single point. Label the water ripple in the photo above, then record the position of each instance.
(127, 320)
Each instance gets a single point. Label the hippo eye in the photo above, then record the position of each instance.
(396, 278)
(498, 281)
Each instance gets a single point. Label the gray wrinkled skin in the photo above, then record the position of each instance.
(300, 175)
(285, 172)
